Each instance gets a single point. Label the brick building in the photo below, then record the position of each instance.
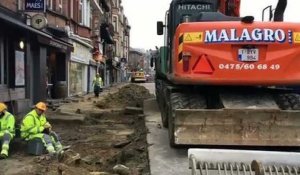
(56, 52)
(121, 30)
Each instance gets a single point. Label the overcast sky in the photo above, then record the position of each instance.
(143, 15)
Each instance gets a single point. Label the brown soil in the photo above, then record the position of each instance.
(129, 95)
(103, 140)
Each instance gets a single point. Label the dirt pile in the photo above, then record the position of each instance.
(129, 95)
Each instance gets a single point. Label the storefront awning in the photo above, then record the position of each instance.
(21, 25)
(59, 32)
(57, 43)
(43, 37)
(105, 34)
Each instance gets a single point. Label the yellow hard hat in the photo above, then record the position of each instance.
(2, 107)
(41, 106)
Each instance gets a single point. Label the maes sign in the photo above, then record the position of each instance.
(35, 5)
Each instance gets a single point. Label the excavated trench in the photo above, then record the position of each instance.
(110, 140)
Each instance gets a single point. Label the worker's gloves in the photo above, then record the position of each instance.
(47, 128)
(47, 125)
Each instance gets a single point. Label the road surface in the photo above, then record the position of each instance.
(163, 159)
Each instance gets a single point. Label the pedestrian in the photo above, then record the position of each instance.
(7, 129)
(35, 125)
(97, 84)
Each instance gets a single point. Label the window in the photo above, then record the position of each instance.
(115, 22)
(60, 6)
(85, 12)
(126, 40)
(50, 4)
(117, 3)
(21, 4)
(3, 64)
(81, 11)
(116, 47)
(71, 9)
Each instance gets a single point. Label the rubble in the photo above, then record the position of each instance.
(133, 110)
(102, 139)
(99, 173)
(71, 158)
(121, 170)
(121, 144)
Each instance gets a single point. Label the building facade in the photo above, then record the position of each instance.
(55, 52)
(120, 51)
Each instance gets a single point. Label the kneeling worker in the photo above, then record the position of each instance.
(35, 125)
(7, 129)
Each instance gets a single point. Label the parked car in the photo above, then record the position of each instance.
(138, 77)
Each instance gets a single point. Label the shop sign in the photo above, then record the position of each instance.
(81, 53)
(64, 46)
(38, 21)
(58, 45)
(35, 5)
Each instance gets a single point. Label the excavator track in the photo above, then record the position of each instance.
(289, 101)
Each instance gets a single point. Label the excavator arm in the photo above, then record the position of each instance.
(279, 11)
(232, 8)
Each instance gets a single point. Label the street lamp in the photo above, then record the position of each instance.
(21, 44)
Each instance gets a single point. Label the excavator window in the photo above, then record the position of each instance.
(181, 11)
(189, 12)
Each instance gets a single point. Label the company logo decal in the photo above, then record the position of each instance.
(264, 35)
(246, 35)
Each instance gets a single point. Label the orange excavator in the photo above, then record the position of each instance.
(222, 79)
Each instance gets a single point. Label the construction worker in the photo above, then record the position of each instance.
(35, 125)
(97, 84)
(7, 129)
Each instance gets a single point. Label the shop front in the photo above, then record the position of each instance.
(79, 69)
(19, 58)
(57, 55)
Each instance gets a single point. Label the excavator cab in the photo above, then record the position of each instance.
(186, 11)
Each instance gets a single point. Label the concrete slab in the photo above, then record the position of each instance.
(64, 116)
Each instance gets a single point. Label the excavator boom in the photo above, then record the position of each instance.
(230, 7)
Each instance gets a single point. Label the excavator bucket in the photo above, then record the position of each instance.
(243, 162)
(242, 127)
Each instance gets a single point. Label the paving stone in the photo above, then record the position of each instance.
(133, 110)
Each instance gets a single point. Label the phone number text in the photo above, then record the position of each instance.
(249, 66)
